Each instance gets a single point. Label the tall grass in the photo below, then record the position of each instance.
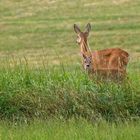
(65, 92)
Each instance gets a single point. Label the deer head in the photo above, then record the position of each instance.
(87, 62)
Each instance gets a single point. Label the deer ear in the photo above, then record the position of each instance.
(87, 29)
(76, 29)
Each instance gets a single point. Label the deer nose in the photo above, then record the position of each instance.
(87, 65)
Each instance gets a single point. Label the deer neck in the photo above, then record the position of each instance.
(85, 48)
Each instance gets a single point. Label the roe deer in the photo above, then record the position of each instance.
(106, 63)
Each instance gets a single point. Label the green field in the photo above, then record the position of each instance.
(41, 76)
(71, 129)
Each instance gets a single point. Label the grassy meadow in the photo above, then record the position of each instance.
(44, 91)
(72, 129)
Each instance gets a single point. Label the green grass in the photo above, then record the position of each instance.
(70, 129)
(33, 29)
(65, 92)
(29, 24)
